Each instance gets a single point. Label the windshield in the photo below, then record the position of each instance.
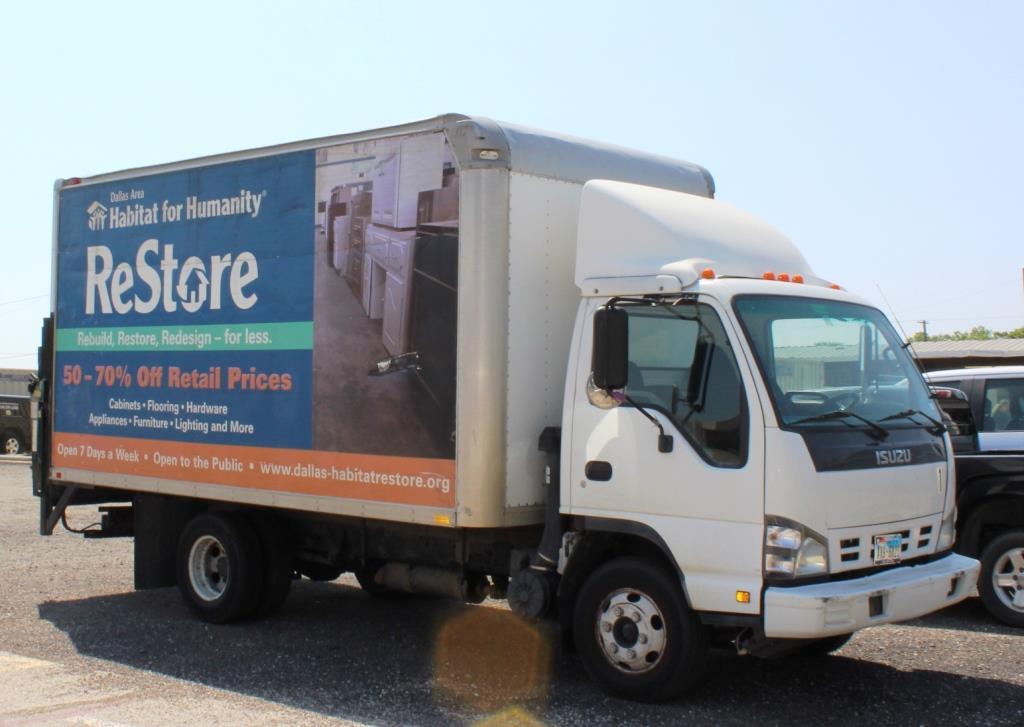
(829, 363)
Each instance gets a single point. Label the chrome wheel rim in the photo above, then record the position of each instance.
(208, 568)
(631, 630)
(11, 445)
(1008, 579)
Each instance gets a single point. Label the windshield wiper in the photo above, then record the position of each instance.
(876, 430)
(936, 428)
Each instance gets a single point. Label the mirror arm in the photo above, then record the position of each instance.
(664, 440)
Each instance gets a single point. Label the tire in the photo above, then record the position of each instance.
(654, 647)
(277, 564)
(1001, 582)
(11, 443)
(824, 647)
(220, 567)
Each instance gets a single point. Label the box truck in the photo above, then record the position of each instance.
(564, 375)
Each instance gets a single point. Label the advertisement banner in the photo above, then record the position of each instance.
(284, 323)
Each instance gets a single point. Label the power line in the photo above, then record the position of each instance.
(23, 300)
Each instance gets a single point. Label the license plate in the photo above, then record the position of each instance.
(888, 548)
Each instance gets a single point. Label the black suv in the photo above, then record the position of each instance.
(15, 424)
(989, 477)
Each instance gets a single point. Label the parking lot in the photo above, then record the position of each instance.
(79, 646)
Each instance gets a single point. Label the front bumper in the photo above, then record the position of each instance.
(841, 607)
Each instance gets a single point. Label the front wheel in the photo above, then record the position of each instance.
(636, 635)
(1001, 582)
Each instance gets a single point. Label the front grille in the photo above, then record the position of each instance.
(854, 547)
(849, 549)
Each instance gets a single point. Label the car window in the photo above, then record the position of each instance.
(1003, 405)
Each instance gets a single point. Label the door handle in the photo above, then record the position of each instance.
(598, 470)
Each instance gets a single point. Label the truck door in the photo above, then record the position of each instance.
(704, 498)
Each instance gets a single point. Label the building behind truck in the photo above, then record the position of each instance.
(16, 382)
(464, 358)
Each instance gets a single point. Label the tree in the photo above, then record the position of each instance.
(977, 333)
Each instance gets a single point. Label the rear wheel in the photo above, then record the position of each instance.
(220, 567)
(636, 635)
(1001, 582)
(277, 564)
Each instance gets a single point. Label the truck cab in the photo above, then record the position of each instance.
(761, 429)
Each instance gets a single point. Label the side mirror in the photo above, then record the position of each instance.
(955, 405)
(610, 361)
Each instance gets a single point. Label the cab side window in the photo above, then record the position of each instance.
(681, 363)
(1003, 405)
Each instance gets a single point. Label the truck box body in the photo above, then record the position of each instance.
(206, 345)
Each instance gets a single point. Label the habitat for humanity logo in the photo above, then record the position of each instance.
(97, 216)
(134, 214)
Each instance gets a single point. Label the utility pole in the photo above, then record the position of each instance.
(924, 328)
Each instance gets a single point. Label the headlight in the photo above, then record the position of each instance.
(792, 550)
(947, 533)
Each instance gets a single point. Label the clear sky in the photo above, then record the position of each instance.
(884, 138)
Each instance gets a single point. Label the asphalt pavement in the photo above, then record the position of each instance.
(79, 646)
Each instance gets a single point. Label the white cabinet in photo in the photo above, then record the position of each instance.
(376, 245)
(373, 288)
(394, 314)
(398, 255)
(399, 178)
(385, 190)
(367, 265)
(385, 279)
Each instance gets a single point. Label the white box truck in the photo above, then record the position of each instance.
(618, 403)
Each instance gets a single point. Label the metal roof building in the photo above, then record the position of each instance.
(14, 382)
(936, 355)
